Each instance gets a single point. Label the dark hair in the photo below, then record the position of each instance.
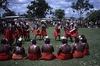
(42, 22)
(82, 36)
(19, 43)
(33, 41)
(76, 40)
(64, 41)
(84, 40)
(47, 41)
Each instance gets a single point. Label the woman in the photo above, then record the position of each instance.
(34, 51)
(64, 52)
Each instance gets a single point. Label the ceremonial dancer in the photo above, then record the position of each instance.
(64, 51)
(26, 31)
(43, 30)
(37, 30)
(8, 33)
(19, 31)
(34, 51)
(73, 31)
(47, 50)
(57, 31)
(67, 31)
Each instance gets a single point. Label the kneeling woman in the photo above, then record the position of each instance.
(77, 49)
(85, 44)
(47, 50)
(19, 52)
(34, 51)
(5, 49)
(64, 52)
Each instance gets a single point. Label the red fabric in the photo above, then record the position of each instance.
(19, 32)
(86, 52)
(26, 33)
(63, 56)
(47, 56)
(77, 54)
(17, 56)
(5, 56)
(57, 32)
(15, 35)
(36, 32)
(67, 33)
(74, 34)
(43, 32)
(9, 36)
(34, 56)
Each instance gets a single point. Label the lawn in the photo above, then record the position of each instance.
(93, 37)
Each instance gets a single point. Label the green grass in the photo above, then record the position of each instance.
(93, 37)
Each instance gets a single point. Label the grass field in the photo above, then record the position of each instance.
(93, 37)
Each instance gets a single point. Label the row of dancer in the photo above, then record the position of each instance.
(79, 49)
(22, 29)
(12, 31)
(70, 29)
(40, 29)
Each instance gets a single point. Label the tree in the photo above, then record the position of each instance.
(9, 13)
(93, 15)
(3, 5)
(81, 6)
(38, 9)
(59, 13)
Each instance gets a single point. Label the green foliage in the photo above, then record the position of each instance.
(81, 6)
(38, 9)
(3, 5)
(93, 15)
(59, 13)
(9, 13)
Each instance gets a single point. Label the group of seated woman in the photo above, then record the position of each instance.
(79, 49)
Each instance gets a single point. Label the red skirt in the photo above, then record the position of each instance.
(15, 35)
(63, 56)
(26, 33)
(57, 32)
(36, 32)
(77, 54)
(17, 56)
(19, 32)
(5, 56)
(43, 32)
(34, 56)
(47, 56)
(67, 33)
(74, 34)
(86, 52)
(9, 36)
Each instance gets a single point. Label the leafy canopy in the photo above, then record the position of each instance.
(59, 13)
(3, 5)
(81, 6)
(93, 15)
(38, 9)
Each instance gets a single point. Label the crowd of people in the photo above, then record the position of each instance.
(17, 31)
(12, 31)
(65, 51)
